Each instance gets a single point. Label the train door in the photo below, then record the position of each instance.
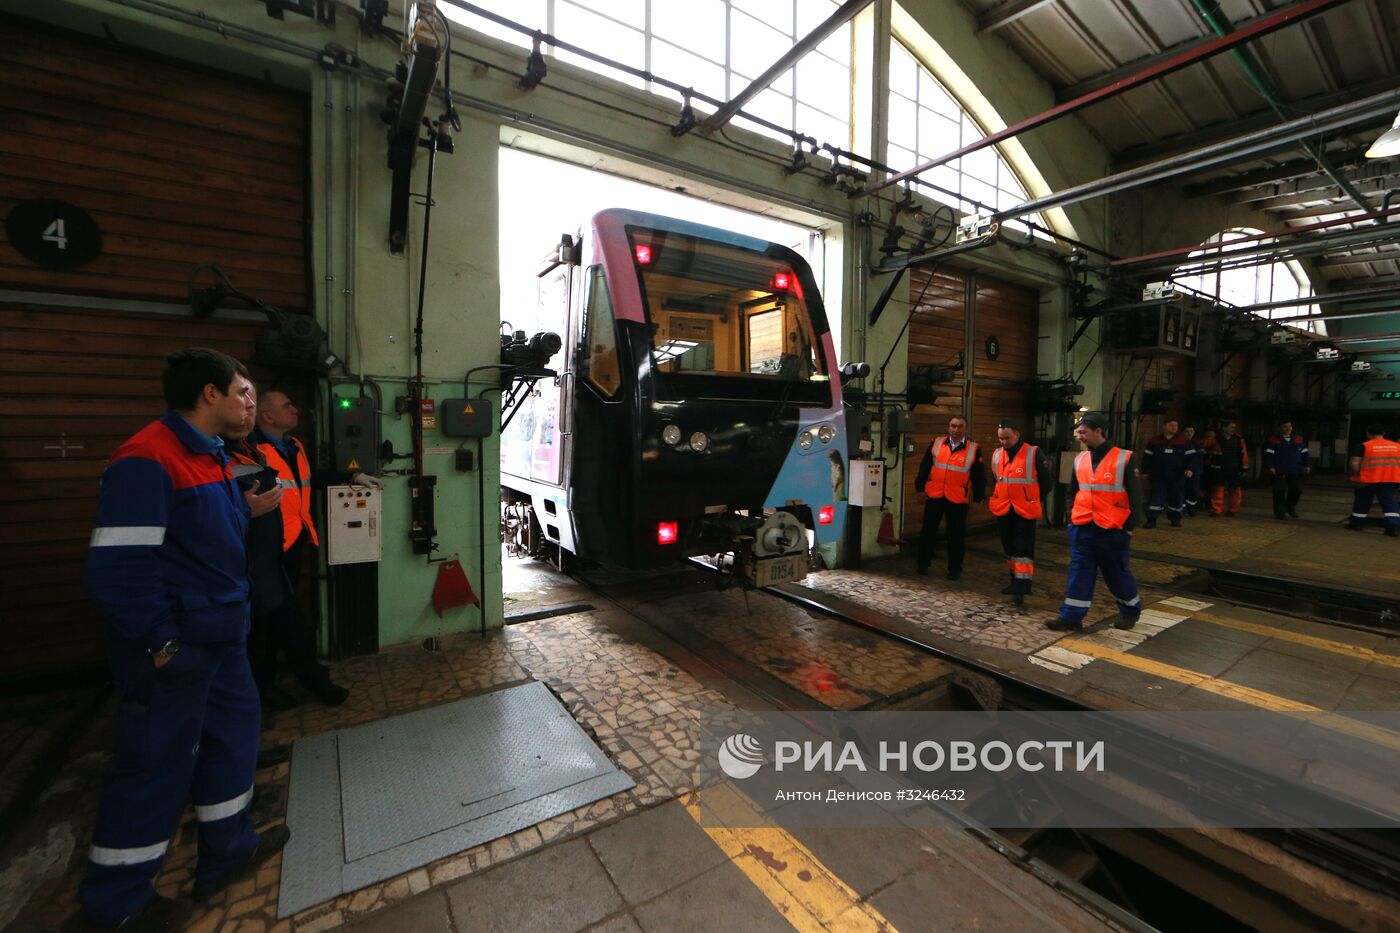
(548, 461)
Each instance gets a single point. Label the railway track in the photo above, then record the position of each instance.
(1369, 858)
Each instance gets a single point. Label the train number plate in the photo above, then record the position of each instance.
(769, 571)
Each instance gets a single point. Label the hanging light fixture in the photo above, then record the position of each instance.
(1388, 144)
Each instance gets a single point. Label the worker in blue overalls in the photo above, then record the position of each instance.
(1107, 500)
(1191, 496)
(1171, 460)
(168, 570)
(1286, 463)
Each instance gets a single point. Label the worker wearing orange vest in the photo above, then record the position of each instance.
(1375, 464)
(277, 416)
(951, 473)
(1023, 476)
(1107, 501)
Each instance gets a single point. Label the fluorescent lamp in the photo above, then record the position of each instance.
(1388, 144)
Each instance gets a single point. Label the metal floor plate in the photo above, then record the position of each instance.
(377, 800)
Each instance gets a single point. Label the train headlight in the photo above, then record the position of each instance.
(699, 442)
(826, 432)
(804, 440)
(671, 434)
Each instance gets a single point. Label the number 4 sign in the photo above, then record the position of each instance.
(53, 234)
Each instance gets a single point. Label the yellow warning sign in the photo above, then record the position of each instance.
(353, 464)
(468, 410)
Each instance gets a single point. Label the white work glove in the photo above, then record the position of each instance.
(366, 479)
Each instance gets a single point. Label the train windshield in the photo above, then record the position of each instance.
(730, 322)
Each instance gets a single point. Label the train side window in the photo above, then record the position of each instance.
(601, 366)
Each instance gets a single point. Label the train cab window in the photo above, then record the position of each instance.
(729, 320)
(600, 362)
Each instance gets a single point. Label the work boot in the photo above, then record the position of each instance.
(1354, 528)
(1392, 532)
(1008, 589)
(270, 842)
(1150, 523)
(1123, 623)
(922, 570)
(160, 915)
(331, 694)
(1176, 522)
(1280, 516)
(954, 573)
(1019, 599)
(277, 699)
(1292, 514)
(1063, 625)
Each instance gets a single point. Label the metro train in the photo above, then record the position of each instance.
(697, 407)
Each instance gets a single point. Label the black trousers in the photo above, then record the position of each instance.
(934, 511)
(285, 629)
(1288, 489)
(1018, 544)
(292, 560)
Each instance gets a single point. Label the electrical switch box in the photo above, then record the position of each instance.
(867, 487)
(466, 417)
(353, 524)
(355, 434)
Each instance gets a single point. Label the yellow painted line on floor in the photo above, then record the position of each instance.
(1259, 698)
(798, 885)
(1298, 638)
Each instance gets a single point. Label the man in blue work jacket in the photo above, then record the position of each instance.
(1286, 462)
(167, 568)
(1171, 460)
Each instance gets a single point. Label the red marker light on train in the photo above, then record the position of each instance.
(826, 514)
(667, 532)
(781, 282)
(643, 253)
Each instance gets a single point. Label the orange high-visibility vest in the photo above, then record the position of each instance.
(1380, 461)
(296, 494)
(1017, 485)
(1103, 493)
(952, 472)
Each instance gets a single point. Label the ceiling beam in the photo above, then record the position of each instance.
(1158, 149)
(1007, 13)
(1297, 168)
(1309, 195)
(1374, 172)
(1094, 83)
(1275, 20)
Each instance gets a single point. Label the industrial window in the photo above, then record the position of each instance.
(600, 336)
(716, 47)
(1249, 280)
(926, 121)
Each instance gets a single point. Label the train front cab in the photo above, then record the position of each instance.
(701, 412)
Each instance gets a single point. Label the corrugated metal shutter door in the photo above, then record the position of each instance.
(177, 167)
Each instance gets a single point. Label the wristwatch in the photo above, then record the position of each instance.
(165, 651)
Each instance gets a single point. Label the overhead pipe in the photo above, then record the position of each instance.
(843, 15)
(1323, 121)
(1217, 20)
(1276, 252)
(1342, 316)
(1272, 252)
(1385, 211)
(1336, 299)
(1257, 28)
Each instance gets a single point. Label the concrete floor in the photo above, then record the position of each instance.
(635, 667)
